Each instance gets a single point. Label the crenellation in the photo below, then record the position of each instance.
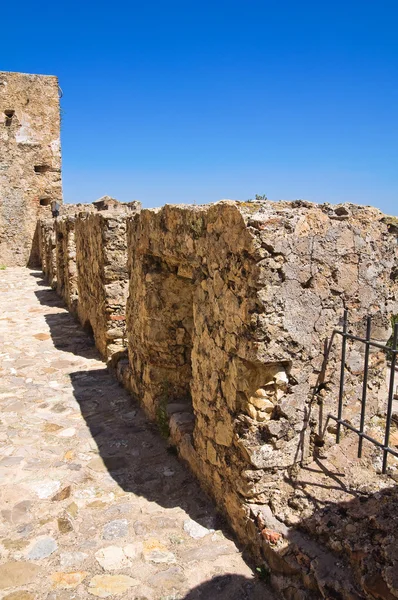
(48, 250)
(102, 278)
(67, 282)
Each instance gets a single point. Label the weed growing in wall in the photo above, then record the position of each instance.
(394, 320)
(162, 417)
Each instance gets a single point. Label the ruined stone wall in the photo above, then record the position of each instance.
(230, 312)
(233, 304)
(83, 255)
(66, 283)
(65, 267)
(160, 307)
(30, 162)
(102, 279)
(52, 255)
(48, 249)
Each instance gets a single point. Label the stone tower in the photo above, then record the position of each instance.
(30, 161)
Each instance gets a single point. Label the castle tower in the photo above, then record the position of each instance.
(30, 161)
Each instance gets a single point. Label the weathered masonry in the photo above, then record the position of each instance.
(84, 256)
(102, 279)
(216, 318)
(219, 320)
(30, 161)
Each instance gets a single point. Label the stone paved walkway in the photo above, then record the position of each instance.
(92, 504)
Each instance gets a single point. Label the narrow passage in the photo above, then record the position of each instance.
(92, 504)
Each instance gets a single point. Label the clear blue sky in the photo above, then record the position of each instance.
(182, 101)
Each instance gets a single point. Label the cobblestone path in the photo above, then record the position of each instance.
(92, 504)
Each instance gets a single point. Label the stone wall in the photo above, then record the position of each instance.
(51, 255)
(30, 161)
(83, 255)
(230, 310)
(102, 280)
(66, 269)
(48, 249)
(231, 304)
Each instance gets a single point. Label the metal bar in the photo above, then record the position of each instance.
(365, 385)
(356, 338)
(390, 398)
(341, 390)
(365, 436)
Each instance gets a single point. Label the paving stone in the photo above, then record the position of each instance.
(206, 552)
(62, 494)
(11, 461)
(71, 559)
(104, 586)
(72, 509)
(115, 529)
(69, 455)
(133, 550)
(118, 509)
(42, 548)
(46, 489)
(165, 523)
(154, 551)
(140, 528)
(42, 336)
(85, 493)
(97, 464)
(97, 504)
(195, 530)
(66, 433)
(51, 427)
(25, 530)
(21, 595)
(112, 558)
(15, 544)
(74, 467)
(168, 579)
(13, 574)
(18, 513)
(68, 580)
(64, 525)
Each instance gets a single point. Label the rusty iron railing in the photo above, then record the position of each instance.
(390, 351)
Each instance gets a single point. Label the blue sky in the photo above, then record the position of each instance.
(196, 101)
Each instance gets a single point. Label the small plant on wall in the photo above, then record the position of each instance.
(394, 320)
(258, 198)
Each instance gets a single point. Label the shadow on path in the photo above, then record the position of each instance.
(130, 446)
(228, 587)
(68, 336)
(38, 275)
(132, 450)
(66, 331)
